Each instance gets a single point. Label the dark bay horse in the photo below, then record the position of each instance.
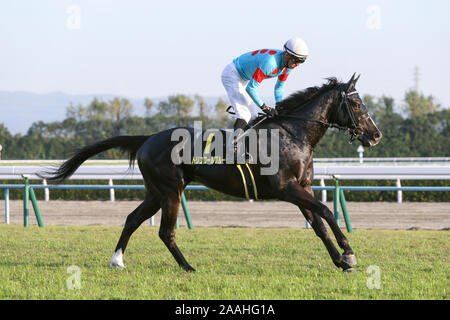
(303, 119)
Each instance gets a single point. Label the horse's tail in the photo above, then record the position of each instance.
(128, 144)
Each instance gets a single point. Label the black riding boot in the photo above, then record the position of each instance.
(239, 124)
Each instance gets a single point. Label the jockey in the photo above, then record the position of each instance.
(242, 76)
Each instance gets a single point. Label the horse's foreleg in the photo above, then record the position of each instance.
(321, 231)
(348, 254)
(170, 206)
(144, 211)
(313, 211)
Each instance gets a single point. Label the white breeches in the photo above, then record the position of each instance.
(242, 103)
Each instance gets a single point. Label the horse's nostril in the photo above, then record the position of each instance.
(377, 135)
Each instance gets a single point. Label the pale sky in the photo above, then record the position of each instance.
(157, 48)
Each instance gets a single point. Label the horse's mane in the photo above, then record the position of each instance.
(301, 97)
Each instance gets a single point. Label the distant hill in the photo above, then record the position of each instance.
(19, 109)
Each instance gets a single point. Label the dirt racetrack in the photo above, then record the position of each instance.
(260, 214)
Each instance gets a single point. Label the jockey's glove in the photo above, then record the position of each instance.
(271, 112)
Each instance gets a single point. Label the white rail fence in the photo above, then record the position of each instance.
(322, 172)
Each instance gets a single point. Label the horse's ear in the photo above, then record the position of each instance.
(351, 83)
(352, 78)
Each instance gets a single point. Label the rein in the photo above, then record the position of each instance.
(355, 121)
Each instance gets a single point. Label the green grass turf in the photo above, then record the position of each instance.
(231, 263)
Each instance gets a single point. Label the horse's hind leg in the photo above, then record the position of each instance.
(170, 206)
(144, 211)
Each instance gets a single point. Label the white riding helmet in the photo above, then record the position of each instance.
(296, 47)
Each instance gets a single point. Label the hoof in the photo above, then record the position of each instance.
(349, 270)
(117, 266)
(117, 260)
(350, 259)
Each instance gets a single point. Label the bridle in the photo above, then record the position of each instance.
(355, 119)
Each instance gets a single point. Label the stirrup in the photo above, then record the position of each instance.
(246, 155)
(233, 146)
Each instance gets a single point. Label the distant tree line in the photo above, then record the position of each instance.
(100, 120)
(419, 127)
(421, 130)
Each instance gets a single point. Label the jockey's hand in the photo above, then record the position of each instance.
(271, 112)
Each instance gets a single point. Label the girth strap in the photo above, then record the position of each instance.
(248, 181)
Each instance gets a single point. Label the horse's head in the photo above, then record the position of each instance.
(353, 114)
